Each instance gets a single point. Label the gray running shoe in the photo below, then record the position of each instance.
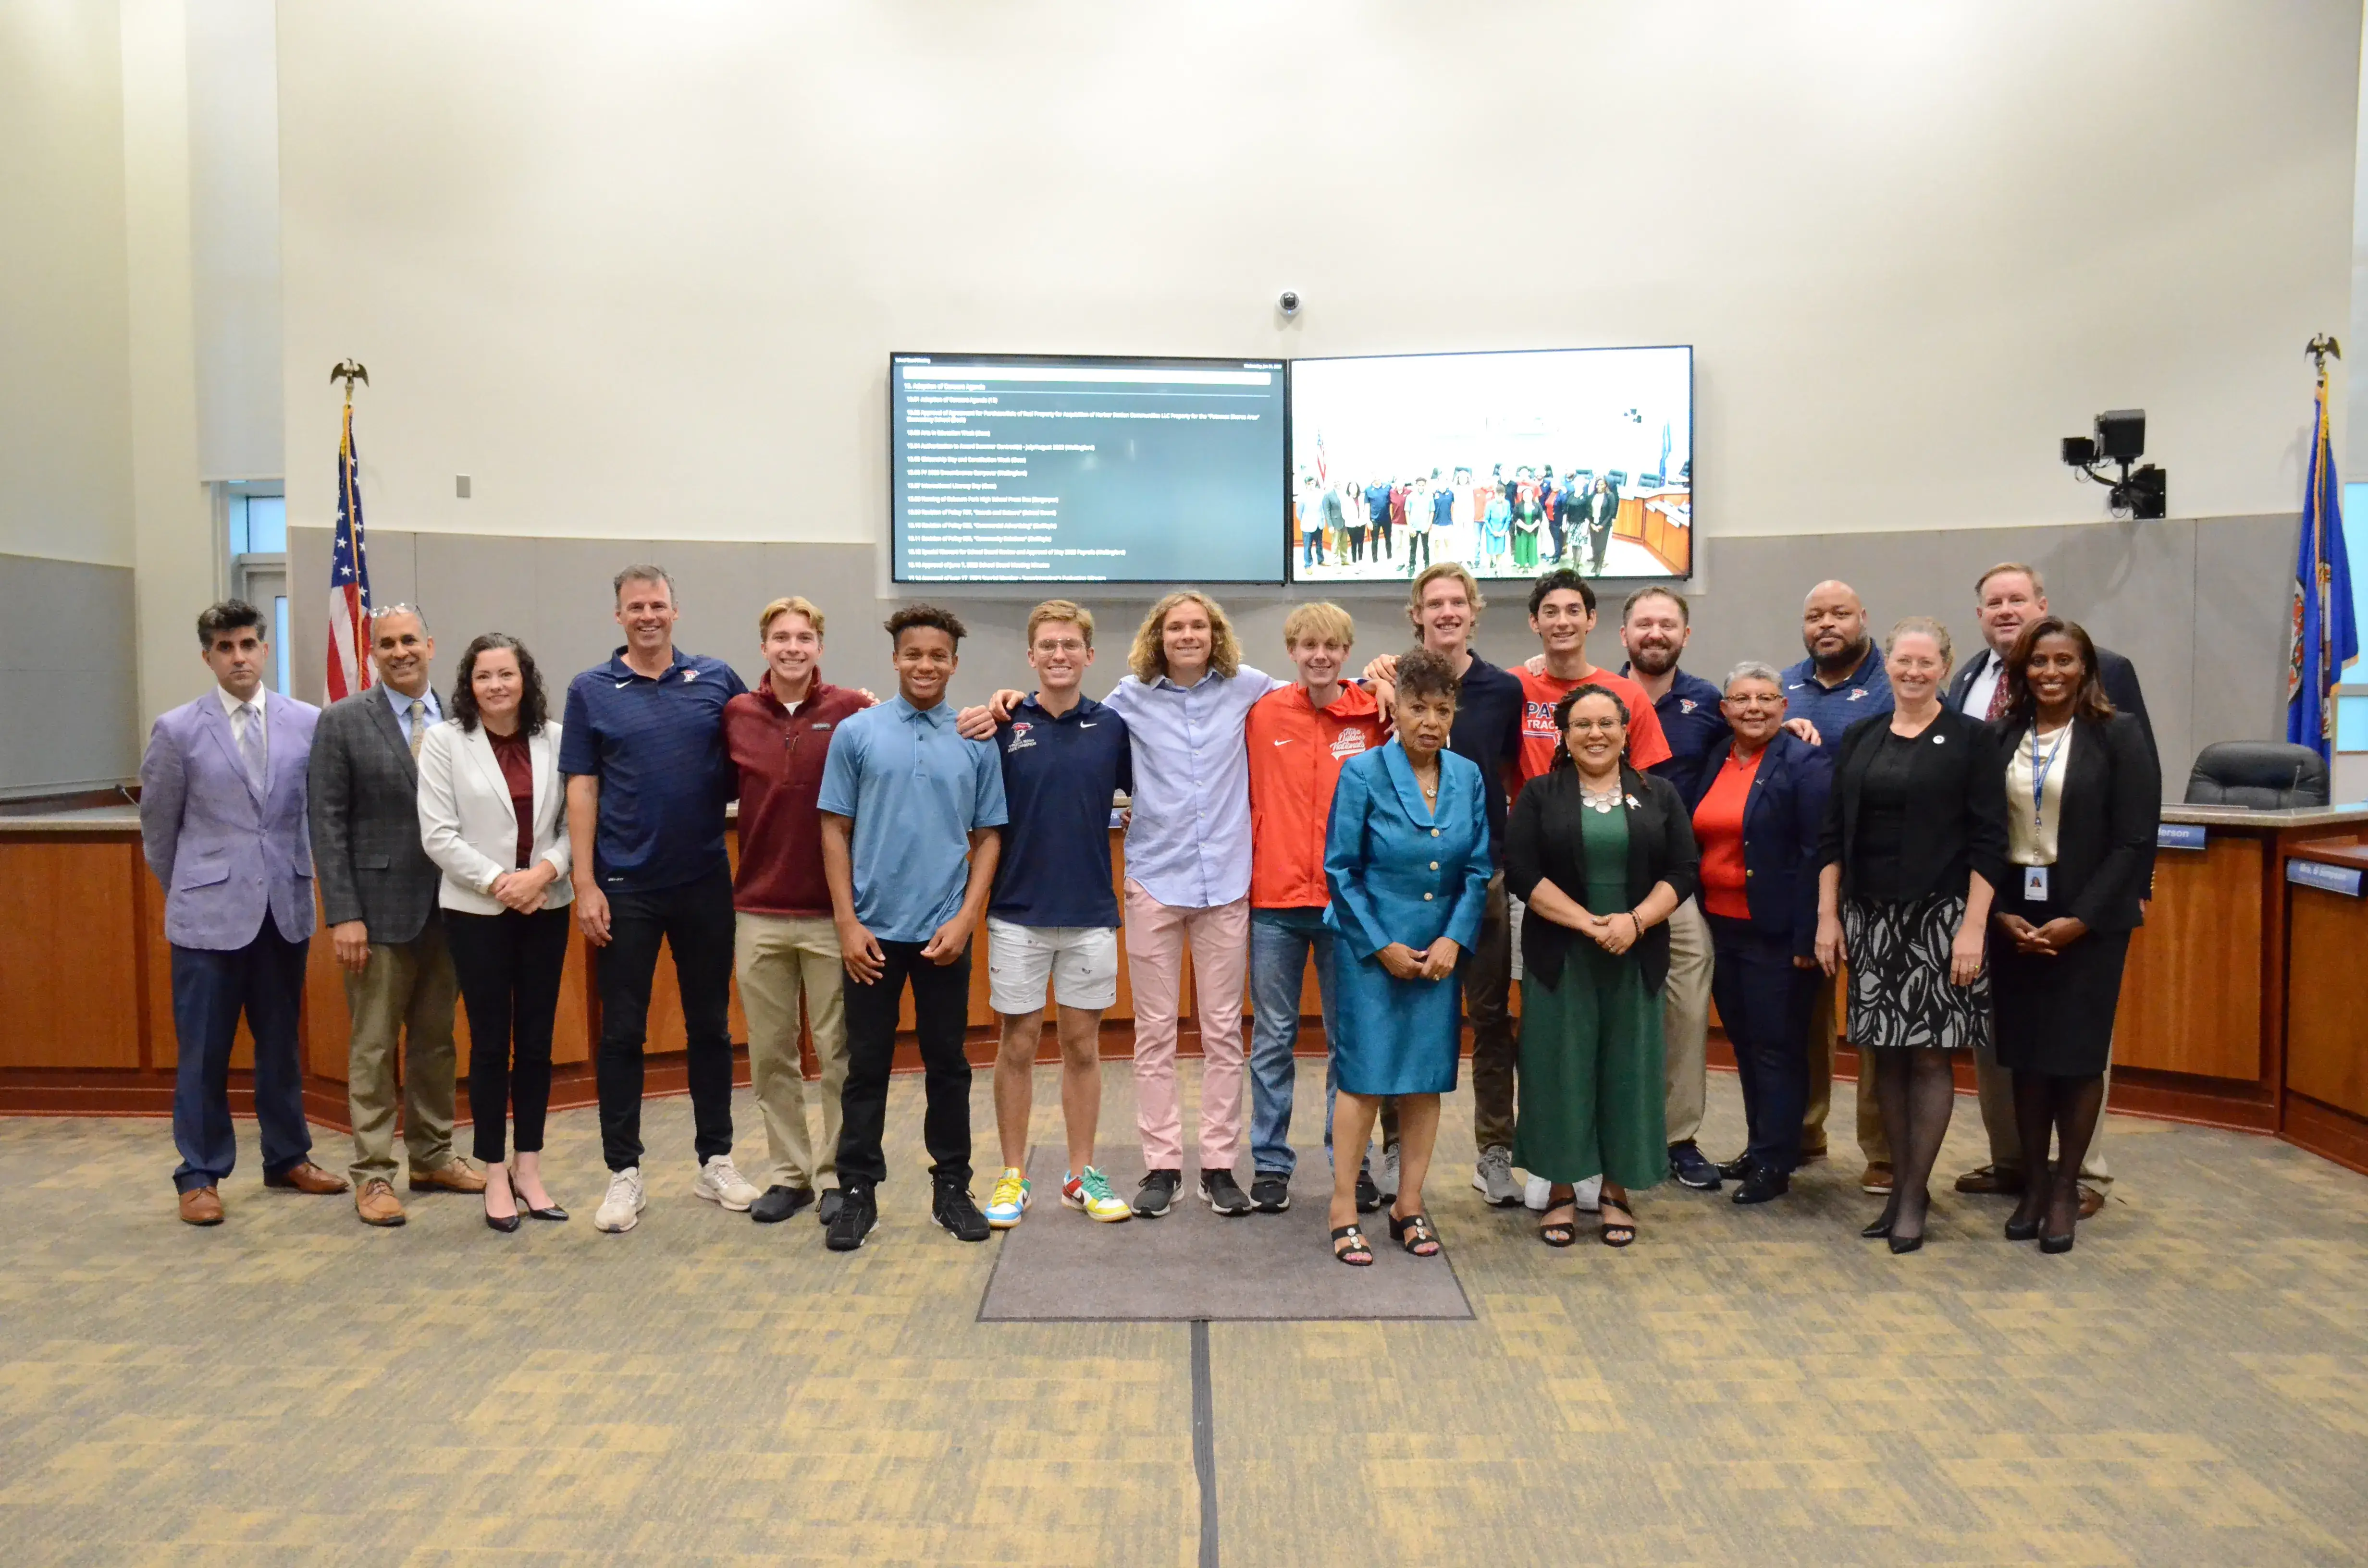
(1386, 1176)
(1493, 1177)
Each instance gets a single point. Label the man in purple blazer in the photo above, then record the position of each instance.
(222, 821)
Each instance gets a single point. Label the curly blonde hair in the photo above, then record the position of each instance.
(1148, 657)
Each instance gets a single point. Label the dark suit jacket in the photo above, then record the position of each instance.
(2113, 803)
(1956, 816)
(1543, 843)
(367, 856)
(1783, 818)
(2114, 673)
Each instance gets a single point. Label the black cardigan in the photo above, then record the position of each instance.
(1543, 843)
(1956, 808)
(2113, 804)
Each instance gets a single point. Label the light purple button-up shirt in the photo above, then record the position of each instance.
(1188, 842)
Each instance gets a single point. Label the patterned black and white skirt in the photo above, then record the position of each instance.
(1899, 992)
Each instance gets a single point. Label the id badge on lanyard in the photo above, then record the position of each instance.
(2034, 884)
(2035, 878)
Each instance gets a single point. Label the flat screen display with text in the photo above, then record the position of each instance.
(1035, 468)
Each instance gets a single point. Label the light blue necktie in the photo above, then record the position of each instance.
(250, 748)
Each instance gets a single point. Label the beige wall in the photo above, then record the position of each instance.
(638, 270)
(65, 480)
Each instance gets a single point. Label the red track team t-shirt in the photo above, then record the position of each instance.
(1647, 745)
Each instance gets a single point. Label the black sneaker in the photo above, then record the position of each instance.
(1692, 1168)
(1761, 1185)
(827, 1209)
(953, 1207)
(778, 1203)
(858, 1213)
(1736, 1168)
(1271, 1192)
(1157, 1193)
(1368, 1197)
(1223, 1193)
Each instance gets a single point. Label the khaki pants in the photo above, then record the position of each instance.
(1996, 1084)
(1823, 1030)
(404, 996)
(1685, 1021)
(779, 959)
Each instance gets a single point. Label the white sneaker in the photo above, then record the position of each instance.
(621, 1209)
(1385, 1174)
(721, 1182)
(1590, 1193)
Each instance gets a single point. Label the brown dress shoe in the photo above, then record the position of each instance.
(1877, 1178)
(2091, 1201)
(455, 1177)
(1991, 1181)
(376, 1204)
(201, 1206)
(306, 1177)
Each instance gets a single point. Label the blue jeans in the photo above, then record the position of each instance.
(1280, 940)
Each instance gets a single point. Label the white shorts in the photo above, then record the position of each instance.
(1080, 961)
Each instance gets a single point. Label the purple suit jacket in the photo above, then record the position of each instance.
(225, 854)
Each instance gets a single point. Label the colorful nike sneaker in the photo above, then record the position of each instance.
(1009, 1199)
(1091, 1194)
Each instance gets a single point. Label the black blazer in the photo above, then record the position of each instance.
(2114, 673)
(1956, 819)
(1783, 818)
(1543, 843)
(2113, 803)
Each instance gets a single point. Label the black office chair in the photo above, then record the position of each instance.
(2260, 776)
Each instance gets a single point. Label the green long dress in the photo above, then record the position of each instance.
(1592, 1099)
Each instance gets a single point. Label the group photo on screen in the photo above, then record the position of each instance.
(1509, 464)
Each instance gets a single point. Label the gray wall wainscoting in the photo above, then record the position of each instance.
(2201, 605)
(69, 686)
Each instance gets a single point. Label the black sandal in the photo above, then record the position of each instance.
(1358, 1254)
(1560, 1233)
(1413, 1232)
(1617, 1233)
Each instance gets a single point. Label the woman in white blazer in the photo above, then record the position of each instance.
(493, 816)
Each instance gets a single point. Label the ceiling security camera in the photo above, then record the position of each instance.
(1289, 303)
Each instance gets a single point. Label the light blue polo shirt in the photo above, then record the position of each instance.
(916, 789)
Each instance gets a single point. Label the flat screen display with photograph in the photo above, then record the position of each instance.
(1037, 469)
(1509, 462)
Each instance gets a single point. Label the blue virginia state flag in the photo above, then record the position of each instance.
(2324, 637)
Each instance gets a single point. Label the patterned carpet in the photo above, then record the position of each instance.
(1743, 1386)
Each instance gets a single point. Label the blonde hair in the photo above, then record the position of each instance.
(1430, 575)
(1076, 615)
(1148, 657)
(1319, 621)
(2038, 589)
(791, 604)
(1921, 626)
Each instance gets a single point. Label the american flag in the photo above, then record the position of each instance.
(349, 592)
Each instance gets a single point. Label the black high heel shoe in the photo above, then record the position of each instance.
(1880, 1229)
(2021, 1230)
(494, 1222)
(553, 1212)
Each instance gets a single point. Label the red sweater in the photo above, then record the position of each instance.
(780, 755)
(1295, 756)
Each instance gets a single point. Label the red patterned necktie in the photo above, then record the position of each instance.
(1998, 699)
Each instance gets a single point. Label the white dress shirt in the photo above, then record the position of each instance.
(242, 715)
(1978, 696)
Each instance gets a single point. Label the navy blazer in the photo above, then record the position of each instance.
(1781, 818)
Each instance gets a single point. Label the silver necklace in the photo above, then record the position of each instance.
(1604, 800)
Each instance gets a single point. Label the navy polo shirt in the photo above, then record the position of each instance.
(658, 748)
(1488, 731)
(1833, 709)
(1058, 776)
(1692, 723)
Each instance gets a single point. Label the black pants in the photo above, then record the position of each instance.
(1599, 536)
(1417, 539)
(1356, 544)
(508, 967)
(1381, 541)
(940, 1017)
(695, 921)
(1553, 532)
(211, 987)
(1764, 1004)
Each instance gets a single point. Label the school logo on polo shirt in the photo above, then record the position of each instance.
(1348, 743)
(1020, 739)
(1686, 705)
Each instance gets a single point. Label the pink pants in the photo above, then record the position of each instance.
(1155, 934)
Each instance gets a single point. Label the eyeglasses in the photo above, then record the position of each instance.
(1586, 726)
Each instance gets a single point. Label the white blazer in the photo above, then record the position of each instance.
(466, 822)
